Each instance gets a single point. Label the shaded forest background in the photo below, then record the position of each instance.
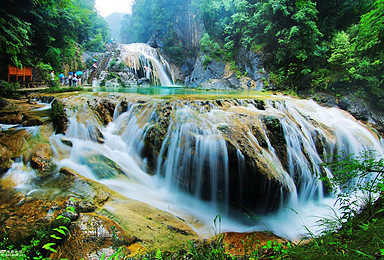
(49, 34)
(334, 46)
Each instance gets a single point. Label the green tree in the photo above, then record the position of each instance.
(49, 31)
(289, 31)
(370, 37)
(341, 51)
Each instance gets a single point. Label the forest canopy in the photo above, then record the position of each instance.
(49, 34)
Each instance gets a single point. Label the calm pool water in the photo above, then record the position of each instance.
(180, 90)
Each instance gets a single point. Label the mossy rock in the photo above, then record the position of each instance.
(59, 117)
(102, 167)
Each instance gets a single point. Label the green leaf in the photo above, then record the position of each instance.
(48, 246)
(55, 237)
(60, 231)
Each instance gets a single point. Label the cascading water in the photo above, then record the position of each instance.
(216, 157)
(146, 60)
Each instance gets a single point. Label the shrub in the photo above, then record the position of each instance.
(9, 90)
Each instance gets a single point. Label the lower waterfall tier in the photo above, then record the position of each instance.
(235, 156)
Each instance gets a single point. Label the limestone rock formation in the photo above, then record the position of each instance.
(104, 108)
(216, 74)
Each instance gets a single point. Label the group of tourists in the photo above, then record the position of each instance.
(73, 79)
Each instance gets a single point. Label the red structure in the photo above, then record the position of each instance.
(26, 72)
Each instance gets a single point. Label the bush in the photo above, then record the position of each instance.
(9, 90)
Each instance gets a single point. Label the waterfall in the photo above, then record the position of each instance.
(146, 60)
(226, 157)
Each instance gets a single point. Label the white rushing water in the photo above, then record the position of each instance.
(140, 56)
(194, 166)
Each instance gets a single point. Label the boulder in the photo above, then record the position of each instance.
(126, 78)
(41, 158)
(356, 106)
(216, 74)
(102, 167)
(59, 117)
(104, 108)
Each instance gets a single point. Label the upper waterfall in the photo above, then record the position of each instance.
(147, 61)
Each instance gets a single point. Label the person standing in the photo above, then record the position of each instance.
(70, 79)
(61, 77)
(52, 78)
(74, 83)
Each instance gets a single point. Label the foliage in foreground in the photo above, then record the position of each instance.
(9, 90)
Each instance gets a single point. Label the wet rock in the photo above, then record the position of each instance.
(91, 236)
(5, 159)
(251, 176)
(45, 99)
(104, 107)
(22, 218)
(15, 142)
(259, 104)
(276, 136)
(95, 134)
(12, 119)
(102, 167)
(143, 81)
(33, 121)
(67, 142)
(41, 158)
(91, 196)
(156, 135)
(59, 117)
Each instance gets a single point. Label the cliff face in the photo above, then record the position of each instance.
(249, 75)
(190, 28)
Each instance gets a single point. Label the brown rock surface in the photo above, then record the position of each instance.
(15, 142)
(5, 159)
(91, 236)
(41, 157)
(237, 244)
